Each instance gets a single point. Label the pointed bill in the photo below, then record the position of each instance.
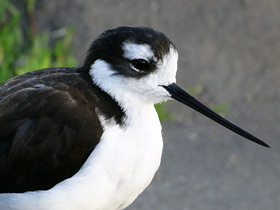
(180, 95)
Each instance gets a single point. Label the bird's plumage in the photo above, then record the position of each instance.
(89, 138)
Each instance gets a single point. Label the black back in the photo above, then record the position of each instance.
(48, 127)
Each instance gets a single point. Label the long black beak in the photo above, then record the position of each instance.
(180, 95)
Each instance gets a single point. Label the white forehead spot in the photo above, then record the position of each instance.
(137, 51)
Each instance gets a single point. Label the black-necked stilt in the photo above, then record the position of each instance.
(89, 138)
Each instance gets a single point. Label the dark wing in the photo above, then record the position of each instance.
(48, 128)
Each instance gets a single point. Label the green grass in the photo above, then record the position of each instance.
(23, 49)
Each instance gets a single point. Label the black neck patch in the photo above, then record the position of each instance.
(108, 107)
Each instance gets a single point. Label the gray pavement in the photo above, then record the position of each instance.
(231, 48)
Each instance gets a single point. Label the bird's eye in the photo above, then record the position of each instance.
(140, 64)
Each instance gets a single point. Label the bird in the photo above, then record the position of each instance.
(89, 137)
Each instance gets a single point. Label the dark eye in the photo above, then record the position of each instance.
(140, 64)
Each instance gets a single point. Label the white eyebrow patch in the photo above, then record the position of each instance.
(137, 51)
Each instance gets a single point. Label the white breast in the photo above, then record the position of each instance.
(119, 169)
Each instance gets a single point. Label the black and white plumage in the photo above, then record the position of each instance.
(89, 138)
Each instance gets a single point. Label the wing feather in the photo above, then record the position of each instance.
(44, 116)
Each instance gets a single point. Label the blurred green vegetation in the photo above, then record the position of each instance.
(22, 49)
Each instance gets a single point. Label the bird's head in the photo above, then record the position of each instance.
(135, 60)
(141, 63)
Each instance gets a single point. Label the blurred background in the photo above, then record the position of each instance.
(229, 58)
